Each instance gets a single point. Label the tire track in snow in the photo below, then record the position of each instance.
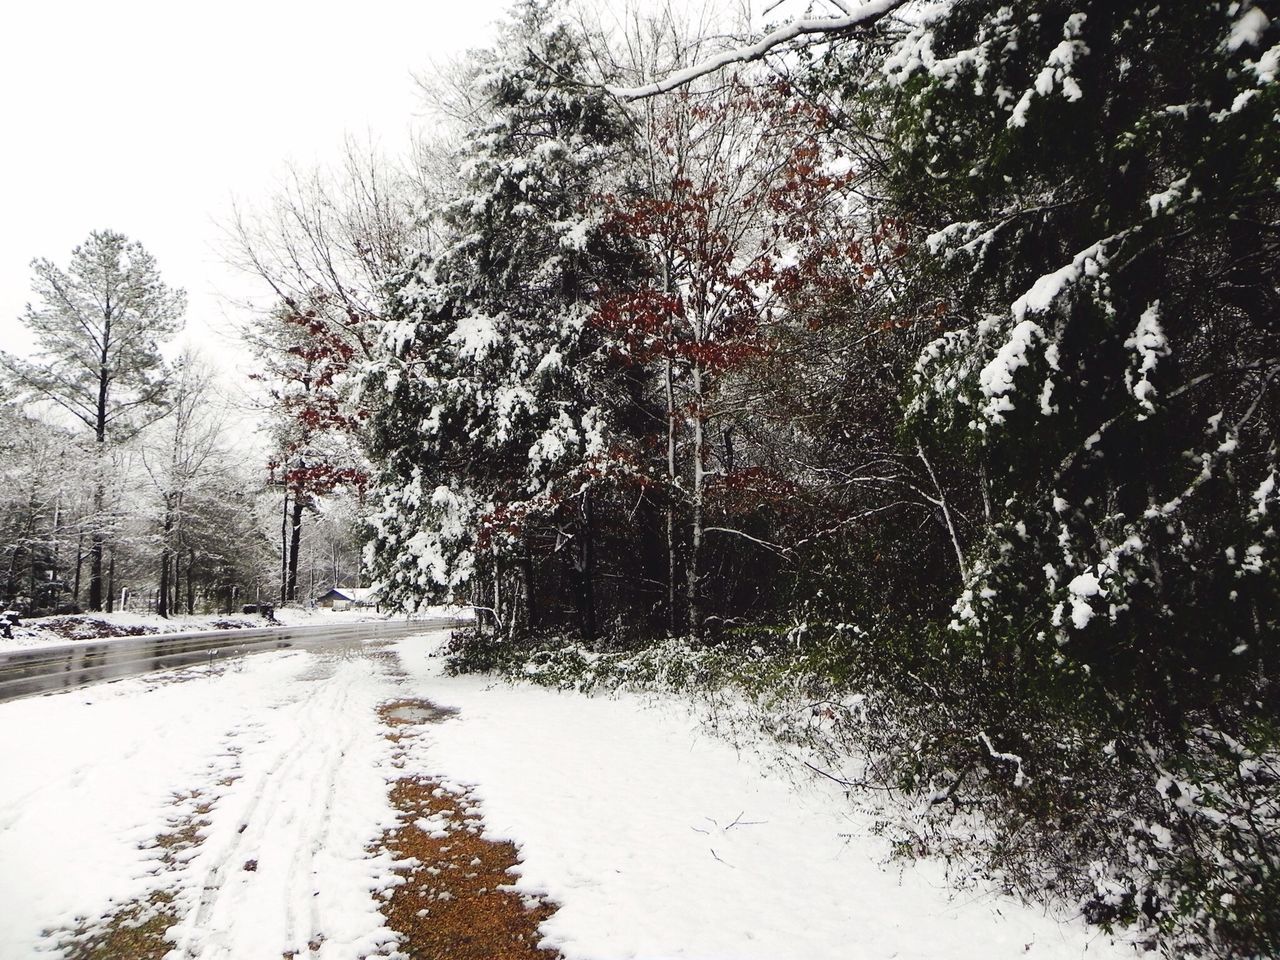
(255, 886)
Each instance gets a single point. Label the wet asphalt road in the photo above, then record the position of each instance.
(42, 670)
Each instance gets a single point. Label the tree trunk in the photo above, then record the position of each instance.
(162, 599)
(497, 595)
(513, 607)
(696, 501)
(191, 582)
(284, 548)
(57, 540)
(588, 589)
(75, 593)
(111, 583)
(31, 567)
(95, 551)
(295, 540)
(100, 487)
(11, 582)
(175, 597)
(946, 515)
(526, 576)
(671, 500)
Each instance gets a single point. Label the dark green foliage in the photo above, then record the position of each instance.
(996, 482)
(1092, 192)
(499, 419)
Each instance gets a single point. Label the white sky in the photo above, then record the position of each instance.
(149, 117)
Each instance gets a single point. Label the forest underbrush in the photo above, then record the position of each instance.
(1032, 788)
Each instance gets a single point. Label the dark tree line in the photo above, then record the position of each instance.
(945, 345)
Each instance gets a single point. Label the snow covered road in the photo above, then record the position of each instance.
(657, 840)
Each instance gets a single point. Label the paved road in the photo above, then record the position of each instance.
(25, 672)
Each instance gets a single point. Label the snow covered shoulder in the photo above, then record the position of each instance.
(248, 811)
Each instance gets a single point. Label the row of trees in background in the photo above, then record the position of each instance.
(126, 482)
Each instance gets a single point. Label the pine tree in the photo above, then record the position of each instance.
(1097, 183)
(489, 412)
(1091, 188)
(98, 325)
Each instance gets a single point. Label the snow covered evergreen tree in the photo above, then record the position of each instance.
(490, 416)
(98, 325)
(1099, 180)
(1093, 186)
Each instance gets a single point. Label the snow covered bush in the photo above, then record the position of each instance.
(1092, 191)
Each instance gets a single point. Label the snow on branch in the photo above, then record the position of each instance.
(1019, 778)
(863, 15)
(776, 548)
(1089, 262)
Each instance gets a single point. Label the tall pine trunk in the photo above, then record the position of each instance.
(100, 485)
(96, 548)
(166, 559)
(295, 541)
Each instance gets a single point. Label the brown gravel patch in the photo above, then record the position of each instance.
(455, 903)
(138, 930)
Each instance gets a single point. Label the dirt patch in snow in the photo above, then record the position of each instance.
(89, 628)
(136, 931)
(139, 930)
(455, 902)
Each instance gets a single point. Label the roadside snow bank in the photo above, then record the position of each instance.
(69, 628)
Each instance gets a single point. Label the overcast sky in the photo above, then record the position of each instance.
(150, 117)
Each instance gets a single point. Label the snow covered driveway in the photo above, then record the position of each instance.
(281, 756)
(656, 840)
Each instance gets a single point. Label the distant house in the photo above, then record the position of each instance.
(347, 598)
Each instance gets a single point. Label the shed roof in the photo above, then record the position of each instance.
(354, 594)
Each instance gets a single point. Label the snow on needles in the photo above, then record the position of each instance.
(1150, 344)
(1247, 31)
(1056, 71)
(996, 378)
(1087, 263)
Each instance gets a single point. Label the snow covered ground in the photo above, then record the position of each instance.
(657, 840)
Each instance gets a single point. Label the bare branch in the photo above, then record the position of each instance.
(862, 16)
